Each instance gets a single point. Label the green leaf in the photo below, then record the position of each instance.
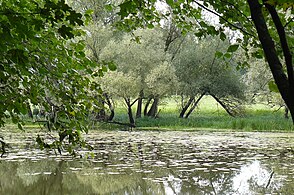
(66, 32)
(89, 11)
(233, 48)
(218, 54)
(273, 86)
(170, 2)
(258, 54)
(112, 66)
(223, 36)
(104, 69)
(228, 55)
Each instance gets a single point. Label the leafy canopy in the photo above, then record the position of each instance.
(43, 65)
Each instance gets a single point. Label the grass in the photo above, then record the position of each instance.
(210, 116)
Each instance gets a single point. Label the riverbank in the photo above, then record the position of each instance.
(208, 116)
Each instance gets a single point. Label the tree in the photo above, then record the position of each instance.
(261, 87)
(142, 59)
(122, 85)
(43, 64)
(103, 12)
(257, 21)
(161, 80)
(201, 72)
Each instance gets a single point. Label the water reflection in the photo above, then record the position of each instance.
(157, 163)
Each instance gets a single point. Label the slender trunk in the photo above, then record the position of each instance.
(285, 47)
(283, 83)
(139, 107)
(110, 106)
(223, 105)
(187, 105)
(101, 115)
(111, 116)
(194, 105)
(153, 110)
(130, 113)
(146, 106)
(30, 113)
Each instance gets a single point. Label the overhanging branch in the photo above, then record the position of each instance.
(223, 18)
(284, 44)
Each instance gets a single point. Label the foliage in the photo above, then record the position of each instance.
(145, 60)
(260, 86)
(162, 80)
(266, 25)
(201, 71)
(103, 12)
(119, 84)
(41, 64)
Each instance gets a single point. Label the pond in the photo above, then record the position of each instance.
(153, 162)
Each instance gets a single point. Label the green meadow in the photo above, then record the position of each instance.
(209, 115)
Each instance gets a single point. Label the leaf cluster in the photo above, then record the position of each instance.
(42, 65)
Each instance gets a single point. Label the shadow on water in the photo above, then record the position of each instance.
(156, 163)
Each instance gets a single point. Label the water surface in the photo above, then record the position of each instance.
(155, 163)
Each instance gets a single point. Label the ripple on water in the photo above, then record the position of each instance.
(220, 160)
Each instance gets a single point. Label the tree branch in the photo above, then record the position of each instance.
(269, 180)
(284, 44)
(236, 8)
(289, 22)
(231, 24)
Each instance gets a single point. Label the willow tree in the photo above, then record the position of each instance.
(138, 58)
(201, 72)
(266, 25)
(125, 86)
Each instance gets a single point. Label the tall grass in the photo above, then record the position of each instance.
(210, 116)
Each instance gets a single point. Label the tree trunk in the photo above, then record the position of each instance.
(101, 115)
(286, 113)
(153, 110)
(146, 106)
(283, 83)
(187, 105)
(111, 116)
(139, 107)
(223, 105)
(130, 113)
(110, 106)
(30, 113)
(194, 105)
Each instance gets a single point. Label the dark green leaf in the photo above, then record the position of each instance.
(233, 48)
(111, 66)
(223, 36)
(218, 54)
